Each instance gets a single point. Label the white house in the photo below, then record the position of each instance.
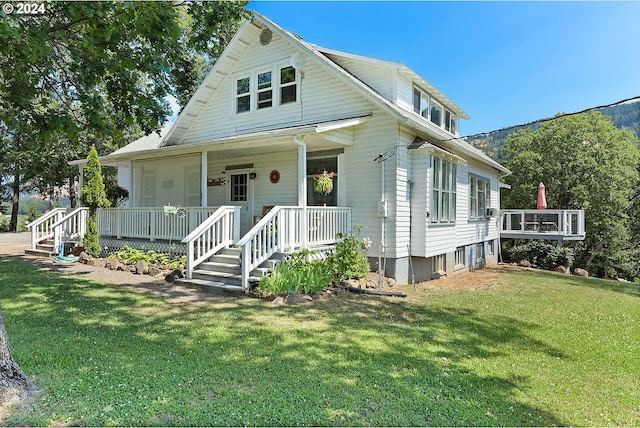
(274, 112)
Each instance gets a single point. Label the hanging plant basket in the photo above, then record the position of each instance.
(323, 182)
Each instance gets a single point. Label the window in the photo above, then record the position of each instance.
(440, 263)
(460, 259)
(288, 85)
(436, 114)
(265, 93)
(450, 121)
(243, 94)
(479, 197)
(266, 88)
(428, 108)
(239, 187)
(443, 194)
(421, 102)
(318, 166)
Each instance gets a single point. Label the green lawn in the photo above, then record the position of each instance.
(533, 349)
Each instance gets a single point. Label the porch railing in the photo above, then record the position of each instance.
(41, 229)
(71, 227)
(282, 230)
(150, 223)
(219, 230)
(565, 224)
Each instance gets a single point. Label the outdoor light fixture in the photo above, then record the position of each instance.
(252, 175)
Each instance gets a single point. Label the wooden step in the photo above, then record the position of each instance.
(38, 252)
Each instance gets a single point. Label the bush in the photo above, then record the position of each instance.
(297, 273)
(128, 255)
(543, 255)
(348, 260)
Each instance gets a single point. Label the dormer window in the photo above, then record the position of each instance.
(266, 88)
(430, 109)
(436, 114)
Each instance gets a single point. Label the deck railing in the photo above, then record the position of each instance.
(150, 223)
(71, 227)
(556, 224)
(282, 230)
(41, 229)
(219, 230)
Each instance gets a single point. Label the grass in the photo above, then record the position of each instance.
(533, 349)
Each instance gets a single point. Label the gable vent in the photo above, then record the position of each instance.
(265, 37)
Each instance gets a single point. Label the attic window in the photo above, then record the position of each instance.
(265, 37)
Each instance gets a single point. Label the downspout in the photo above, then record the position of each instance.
(302, 186)
(382, 212)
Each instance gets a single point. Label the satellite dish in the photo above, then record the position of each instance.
(298, 61)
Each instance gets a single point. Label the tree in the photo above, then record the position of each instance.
(13, 381)
(93, 196)
(585, 163)
(93, 73)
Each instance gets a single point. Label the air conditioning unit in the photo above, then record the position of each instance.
(492, 212)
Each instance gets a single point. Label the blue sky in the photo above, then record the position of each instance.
(504, 63)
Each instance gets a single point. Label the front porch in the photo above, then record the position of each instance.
(202, 232)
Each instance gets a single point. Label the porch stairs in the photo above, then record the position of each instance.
(43, 249)
(223, 274)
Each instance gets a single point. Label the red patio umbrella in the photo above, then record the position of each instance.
(542, 198)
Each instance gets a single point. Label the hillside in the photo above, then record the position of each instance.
(625, 115)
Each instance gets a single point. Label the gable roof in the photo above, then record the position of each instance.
(242, 39)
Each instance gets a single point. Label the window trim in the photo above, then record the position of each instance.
(440, 190)
(275, 87)
(478, 211)
(420, 96)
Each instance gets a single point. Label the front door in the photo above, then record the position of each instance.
(240, 195)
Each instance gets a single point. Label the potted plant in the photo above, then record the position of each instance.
(323, 182)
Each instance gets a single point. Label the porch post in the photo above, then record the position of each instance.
(80, 183)
(302, 188)
(203, 180)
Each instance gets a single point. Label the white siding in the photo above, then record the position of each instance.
(166, 181)
(263, 192)
(381, 79)
(429, 239)
(322, 97)
(124, 179)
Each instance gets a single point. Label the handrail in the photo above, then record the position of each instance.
(71, 224)
(43, 225)
(261, 241)
(569, 223)
(220, 229)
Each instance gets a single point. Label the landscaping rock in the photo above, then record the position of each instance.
(154, 271)
(142, 267)
(307, 297)
(561, 269)
(101, 263)
(581, 272)
(171, 277)
(524, 263)
(278, 300)
(294, 298)
(84, 257)
(122, 267)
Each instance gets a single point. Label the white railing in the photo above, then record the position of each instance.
(324, 223)
(282, 230)
(219, 230)
(551, 223)
(41, 228)
(71, 227)
(150, 223)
